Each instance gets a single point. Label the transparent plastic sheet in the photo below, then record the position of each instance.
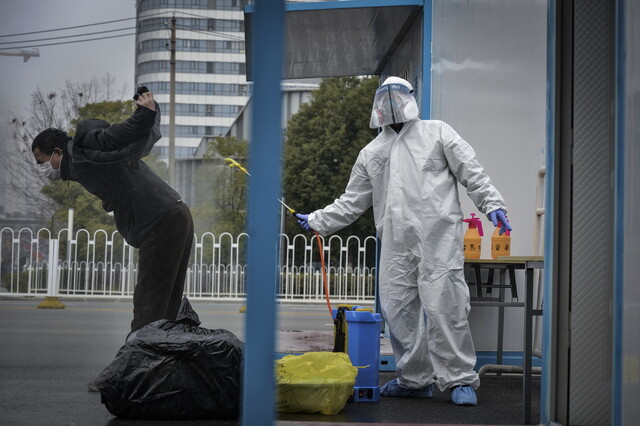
(630, 294)
(175, 370)
(489, 82)
(314, 382)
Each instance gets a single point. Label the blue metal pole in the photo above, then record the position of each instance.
(547, 413)
(618, 221)
(264, 189)
(427, 40)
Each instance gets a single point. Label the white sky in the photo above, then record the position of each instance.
(78, 62)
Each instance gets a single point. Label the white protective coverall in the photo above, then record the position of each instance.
(411, 179)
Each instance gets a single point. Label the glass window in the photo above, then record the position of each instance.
(153, 66)
(194, 88)
(230, 25)
(154, 45)
(197, 24)
(204, 110)
(181, 151)
(194, 131)
(196, 67)
(144, 5)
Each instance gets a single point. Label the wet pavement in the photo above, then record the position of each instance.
(47, 357)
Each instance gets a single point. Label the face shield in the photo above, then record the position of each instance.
(393, 104)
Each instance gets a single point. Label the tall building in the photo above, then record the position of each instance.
(211, 87)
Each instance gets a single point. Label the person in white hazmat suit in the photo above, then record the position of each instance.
(409, 174)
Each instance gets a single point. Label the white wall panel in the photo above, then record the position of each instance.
(489, 83)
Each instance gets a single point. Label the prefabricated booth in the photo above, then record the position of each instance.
(545, 92)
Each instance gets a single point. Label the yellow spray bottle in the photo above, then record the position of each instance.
(473, 238)
(500, 244)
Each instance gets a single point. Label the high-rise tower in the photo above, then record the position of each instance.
(211, 86)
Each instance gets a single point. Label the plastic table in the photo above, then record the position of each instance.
(508, 265)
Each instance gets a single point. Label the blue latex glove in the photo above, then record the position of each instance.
(303, 221)
(498, 217)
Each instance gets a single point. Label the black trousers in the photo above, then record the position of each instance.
(163, 260)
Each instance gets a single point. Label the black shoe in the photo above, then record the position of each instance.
(91, 386)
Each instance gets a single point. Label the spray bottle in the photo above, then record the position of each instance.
(500, 244)
(473, 238)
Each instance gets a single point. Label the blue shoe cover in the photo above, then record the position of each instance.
(464, 395)
(392, 388)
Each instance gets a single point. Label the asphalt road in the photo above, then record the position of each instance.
(47, 356)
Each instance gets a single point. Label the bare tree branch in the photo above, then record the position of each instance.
(107, 82)
(53, 109)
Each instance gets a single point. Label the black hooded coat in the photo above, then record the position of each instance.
(106, 160)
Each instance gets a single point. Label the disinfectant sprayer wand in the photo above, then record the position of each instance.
(321, 250)
(234, 164)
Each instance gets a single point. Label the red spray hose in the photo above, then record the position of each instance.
(321, 251)
(324, 272)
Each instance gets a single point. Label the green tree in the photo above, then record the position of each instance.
(47, 109)
(323, 141)
(222, 190)
(109, 111)
(116, 112)
(88, 211)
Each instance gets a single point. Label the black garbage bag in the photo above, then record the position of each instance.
(172, 370)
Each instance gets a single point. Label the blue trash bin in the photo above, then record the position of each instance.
(363, 347)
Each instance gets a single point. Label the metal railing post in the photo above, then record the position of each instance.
(51, 301)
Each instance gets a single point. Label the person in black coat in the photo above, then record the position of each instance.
(106, 160)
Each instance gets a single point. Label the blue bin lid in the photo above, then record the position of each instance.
(362, 316)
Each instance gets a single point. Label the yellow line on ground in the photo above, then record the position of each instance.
(67, 308)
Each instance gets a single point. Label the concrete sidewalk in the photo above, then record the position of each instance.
(47, 357)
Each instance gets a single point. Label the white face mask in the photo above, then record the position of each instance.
(49, 172)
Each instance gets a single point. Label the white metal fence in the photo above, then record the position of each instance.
(104, 265)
